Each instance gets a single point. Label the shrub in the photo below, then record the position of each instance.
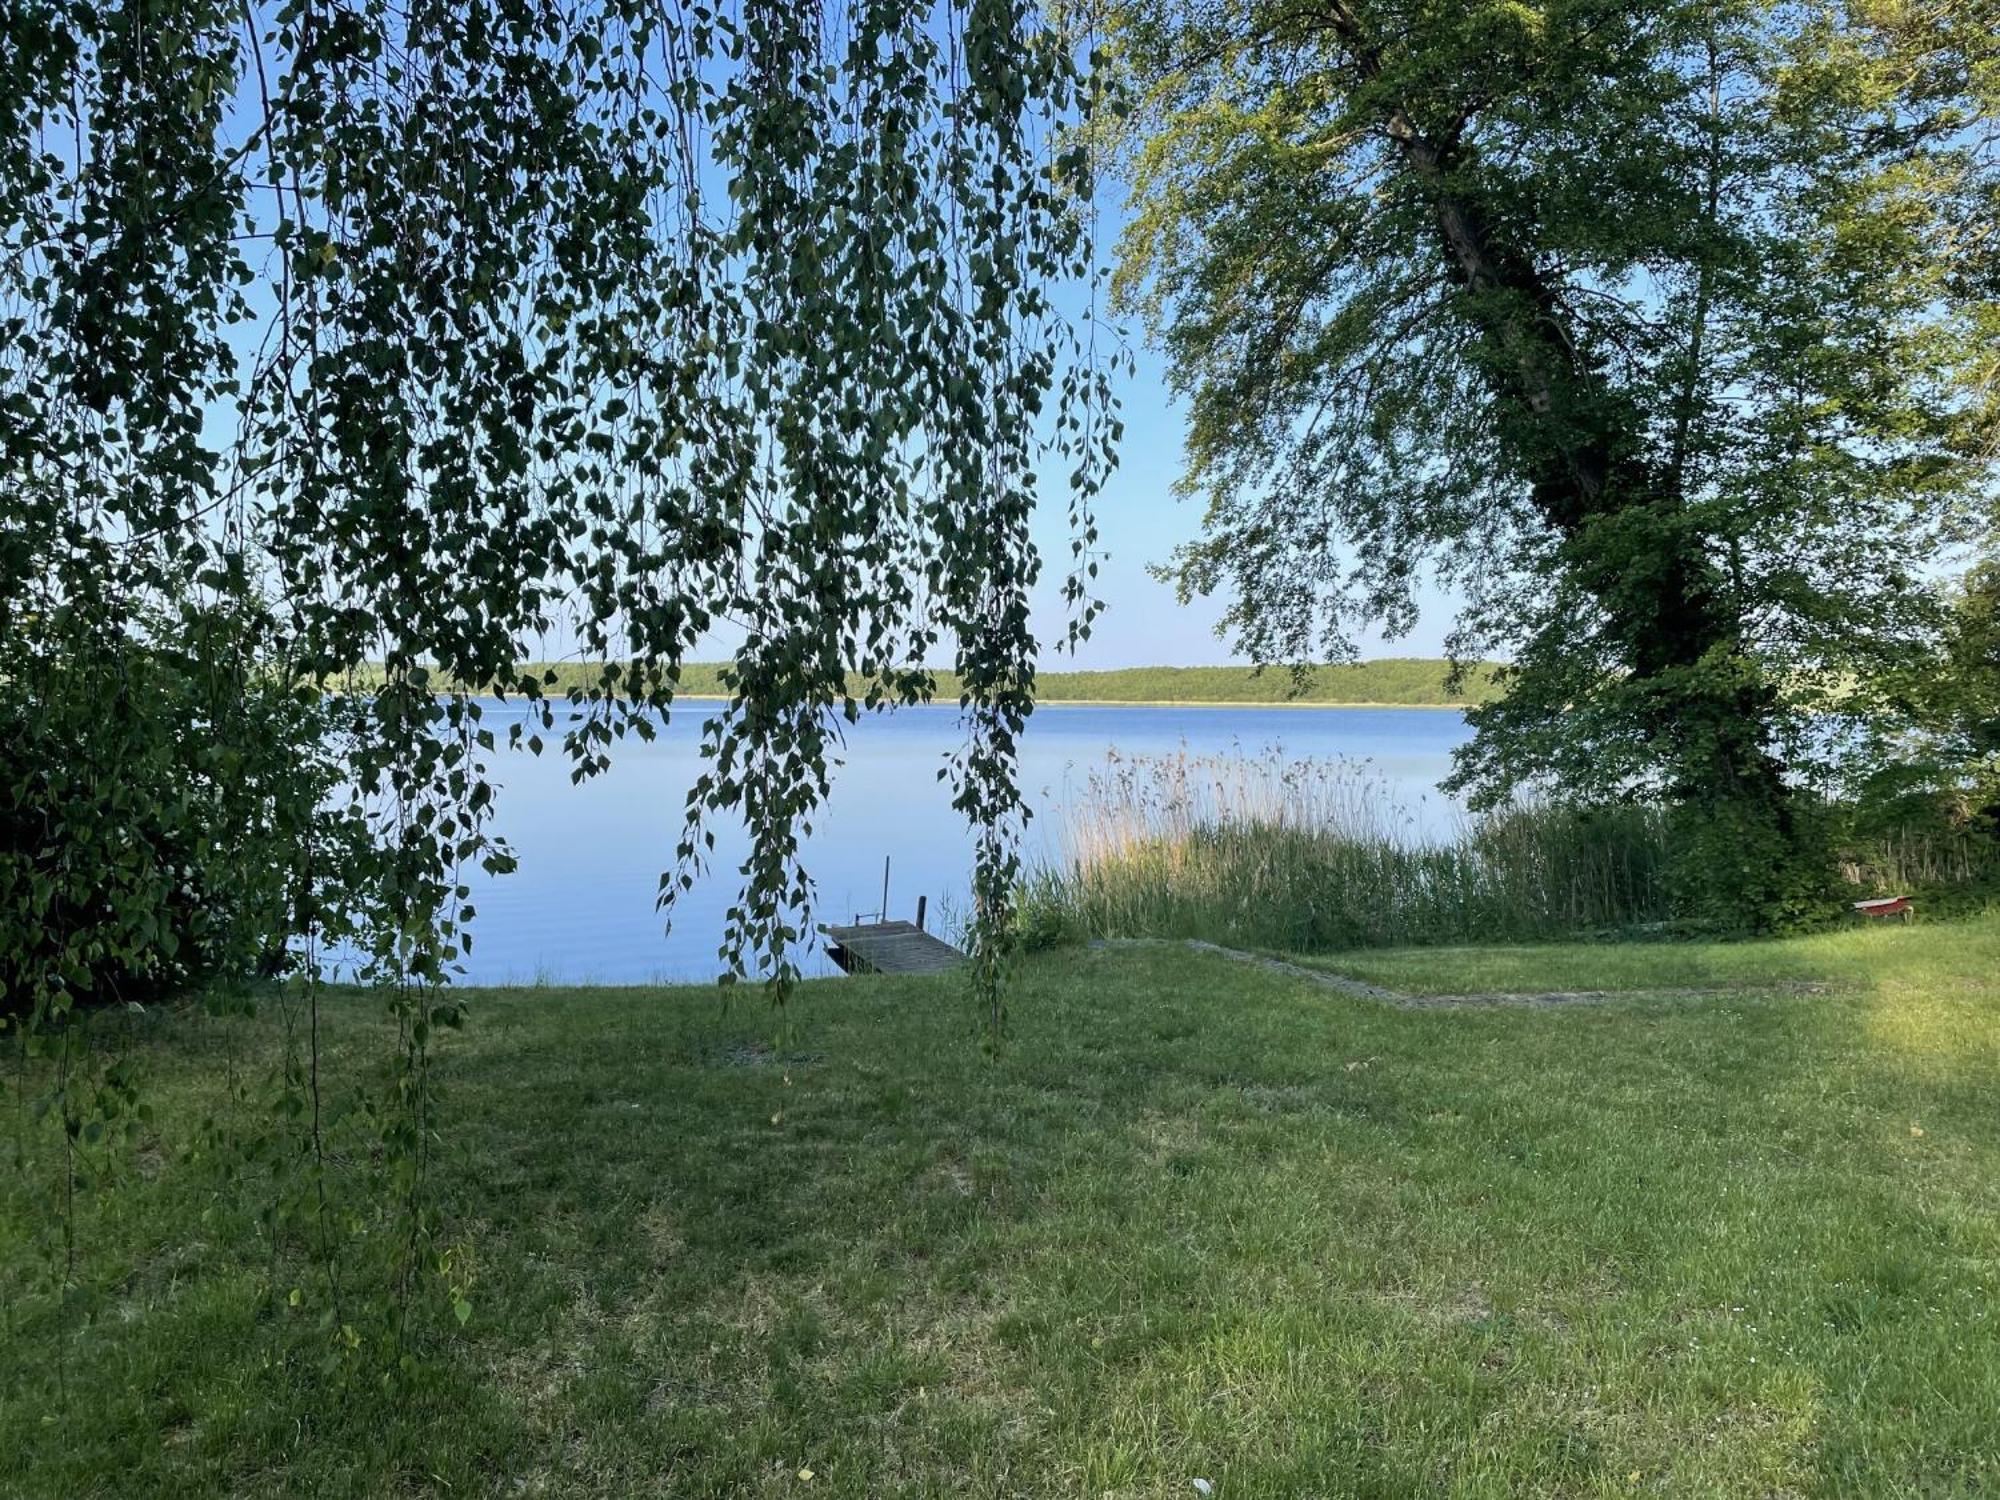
(153, 819)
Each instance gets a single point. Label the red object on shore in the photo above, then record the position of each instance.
(1887, 906)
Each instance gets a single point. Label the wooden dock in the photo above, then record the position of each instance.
(889, 948)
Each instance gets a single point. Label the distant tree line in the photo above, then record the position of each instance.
(1412, 681)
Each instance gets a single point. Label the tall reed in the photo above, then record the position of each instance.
(1954, 862)
(1316, 855)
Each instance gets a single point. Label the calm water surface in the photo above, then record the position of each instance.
(580, 908)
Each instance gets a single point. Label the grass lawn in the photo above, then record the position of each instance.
(1853, 958)
(1200, 1220)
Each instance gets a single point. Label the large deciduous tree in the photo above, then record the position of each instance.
(1663, 329)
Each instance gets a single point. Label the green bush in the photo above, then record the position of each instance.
(154, 813)
(1933, 846)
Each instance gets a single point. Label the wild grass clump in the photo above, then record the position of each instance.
(1915, 857)
(1317, 855)
(1950, 866)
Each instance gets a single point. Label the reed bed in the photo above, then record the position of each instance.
(1917, 857)
(1319, 855)
(1955, 863)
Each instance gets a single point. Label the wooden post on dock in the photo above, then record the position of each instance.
(886, 947)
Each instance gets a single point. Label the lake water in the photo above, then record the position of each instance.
(580, 908)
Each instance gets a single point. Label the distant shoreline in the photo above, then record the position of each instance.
(1386, 682)
(1460, 704)
(943, 701)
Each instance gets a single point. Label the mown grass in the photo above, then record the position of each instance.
(1198, 1220)
(1852, 955)
(1408, 681)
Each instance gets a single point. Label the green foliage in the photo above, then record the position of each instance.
(157, 808)
(1950, 865)
(1947, 709)
(1313, 857)
(1923, 812)
(1743, 863)
(392, 334)
(1965, 712)
(1662, 332)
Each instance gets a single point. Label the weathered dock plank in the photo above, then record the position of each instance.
(889, 948)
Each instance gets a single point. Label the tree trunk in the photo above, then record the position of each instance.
(1578, 442)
